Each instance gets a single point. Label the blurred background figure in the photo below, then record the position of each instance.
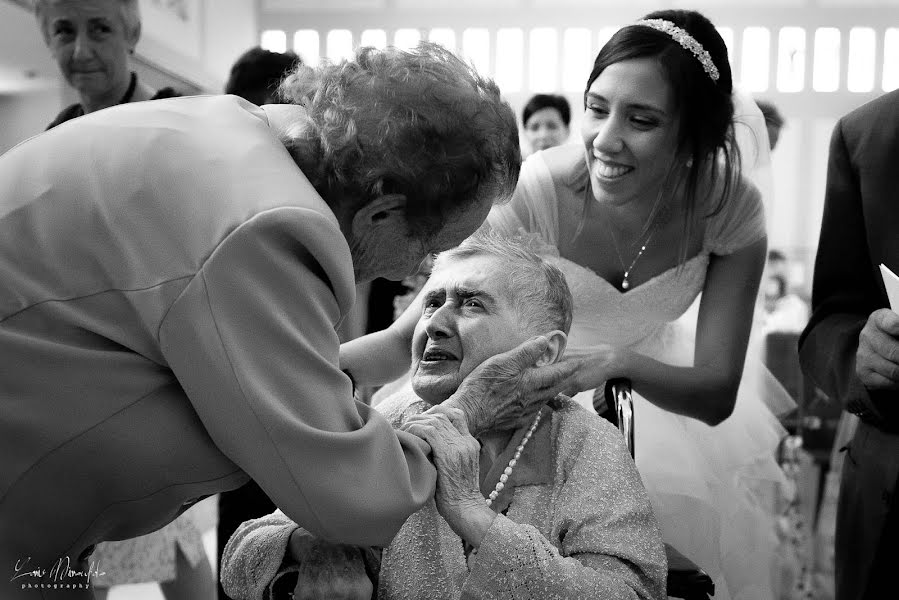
(546, 118)
(774, 120)
(783, 309)
(91, 42)
(257, 72)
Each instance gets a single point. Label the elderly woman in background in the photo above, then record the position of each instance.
(91, 41)
(550, 508)
(546, 119)
(174, 272)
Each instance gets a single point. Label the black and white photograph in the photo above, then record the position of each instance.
(449, 299)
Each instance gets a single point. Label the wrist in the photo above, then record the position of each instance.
(470, 409)
(471, 521)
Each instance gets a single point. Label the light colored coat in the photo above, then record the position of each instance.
(170, 284)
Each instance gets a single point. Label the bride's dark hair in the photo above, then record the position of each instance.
(705, 108)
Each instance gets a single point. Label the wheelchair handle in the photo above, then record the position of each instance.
(619, 397)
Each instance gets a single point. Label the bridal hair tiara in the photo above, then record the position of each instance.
(687, 41)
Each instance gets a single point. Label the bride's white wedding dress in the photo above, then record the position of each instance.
(703, 481)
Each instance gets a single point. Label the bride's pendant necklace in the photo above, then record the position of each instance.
(625, 284)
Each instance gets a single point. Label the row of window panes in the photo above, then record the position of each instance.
(578, 52)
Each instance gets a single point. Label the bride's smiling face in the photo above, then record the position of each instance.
(630, 131)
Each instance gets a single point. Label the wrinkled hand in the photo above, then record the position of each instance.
(505, 391)
(328, 570)
(455, 453)
(593, 366)
(877, 358)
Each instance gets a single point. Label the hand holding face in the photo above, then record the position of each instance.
(328, 570)
(877, 357)
(455, 455)
(593, 366)
(507, 390)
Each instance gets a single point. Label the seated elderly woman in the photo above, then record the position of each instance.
(554, 508)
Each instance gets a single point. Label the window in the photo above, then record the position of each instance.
(274, 40)
(754, 58)
(339, 45)
(305, 43)
(577, 59)
(509, 55)
(444, 37)
(544, 59)
(376, 38)
(860, 67)
(826, 69)
(605, 34)
(476, 48)
(791, 59)
(891, 59)
(406, 38)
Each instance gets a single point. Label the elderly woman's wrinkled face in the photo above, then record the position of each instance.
(90, 42)
(467, 317)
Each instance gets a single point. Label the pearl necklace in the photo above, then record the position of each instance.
(508, 470)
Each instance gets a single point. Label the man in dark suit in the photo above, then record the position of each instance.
(850, 347)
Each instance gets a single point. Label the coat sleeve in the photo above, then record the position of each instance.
(252, 341)
(845, 289)
(608, 543)
(253, 558)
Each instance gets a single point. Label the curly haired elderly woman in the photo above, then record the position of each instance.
(173, 275)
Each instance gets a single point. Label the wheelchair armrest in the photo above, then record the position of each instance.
(685, 578)
(620, 409)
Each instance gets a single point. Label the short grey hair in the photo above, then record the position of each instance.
(538, 289)
(129, 11)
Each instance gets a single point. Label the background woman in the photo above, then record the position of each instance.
(91, 42)
(648, 213)
(546, 119)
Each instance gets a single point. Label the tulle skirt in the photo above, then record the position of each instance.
(713, 488)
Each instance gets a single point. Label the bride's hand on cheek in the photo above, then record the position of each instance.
(594, 365)
(455, 454)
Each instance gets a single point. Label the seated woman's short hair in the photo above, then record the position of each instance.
(419, 122)
(539, 289)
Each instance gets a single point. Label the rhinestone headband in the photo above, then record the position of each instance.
(687, 41)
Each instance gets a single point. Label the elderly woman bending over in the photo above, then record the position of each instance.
(552, 508)
(181, 267)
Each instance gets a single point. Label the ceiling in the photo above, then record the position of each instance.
(25, 63)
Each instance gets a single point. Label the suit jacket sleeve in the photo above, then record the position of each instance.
(845, 290)
(251, 340)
